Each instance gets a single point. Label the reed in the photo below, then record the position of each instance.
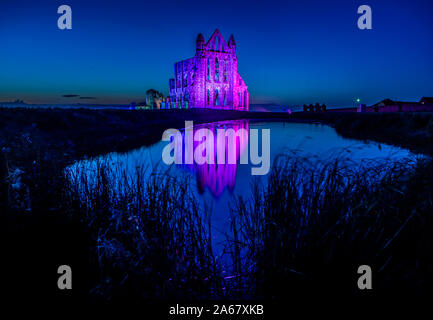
(310, 228)
(152, 235)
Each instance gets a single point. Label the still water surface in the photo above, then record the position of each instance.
(218, 184)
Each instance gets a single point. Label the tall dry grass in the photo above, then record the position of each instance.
(153, 237)
(310, 228)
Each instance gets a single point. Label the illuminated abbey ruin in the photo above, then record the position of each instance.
(210, 79)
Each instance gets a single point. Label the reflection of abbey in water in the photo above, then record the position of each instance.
(216, 176)
(210, 79)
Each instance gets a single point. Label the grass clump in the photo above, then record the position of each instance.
(308, 230)
(152, 235)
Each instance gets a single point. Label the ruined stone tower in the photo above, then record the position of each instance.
(210, 79)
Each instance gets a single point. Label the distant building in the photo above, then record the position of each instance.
(389, 105)
(210, 79)
(426, 100)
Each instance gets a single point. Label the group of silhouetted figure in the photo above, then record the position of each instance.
(315, 108)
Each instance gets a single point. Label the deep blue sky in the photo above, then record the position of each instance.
(290, 52)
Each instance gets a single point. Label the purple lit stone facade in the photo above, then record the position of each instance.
(210, 79)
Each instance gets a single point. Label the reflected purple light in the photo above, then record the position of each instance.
(216, 177)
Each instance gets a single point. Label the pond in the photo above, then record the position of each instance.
(217, 184)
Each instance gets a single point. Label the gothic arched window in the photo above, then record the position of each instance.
(208, 70)
(208, 97)
(225, 97)
(217, 70)
(225, 70)
(217, 97)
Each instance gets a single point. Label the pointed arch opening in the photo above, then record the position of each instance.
(216, 97)
(217, 70)
(208, 69)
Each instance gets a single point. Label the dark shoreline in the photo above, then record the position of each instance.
(71, 134)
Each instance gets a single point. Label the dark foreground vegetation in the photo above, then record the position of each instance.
(304, 233)
(307, 232)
